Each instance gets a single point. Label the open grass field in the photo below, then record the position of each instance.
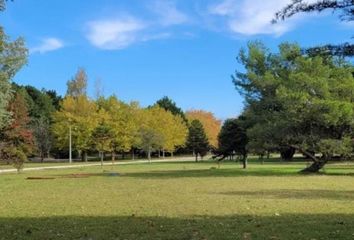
(179, 201)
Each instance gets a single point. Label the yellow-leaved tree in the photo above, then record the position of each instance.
(80, 114)
(122, 122)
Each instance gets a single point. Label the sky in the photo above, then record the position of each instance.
(145, 49)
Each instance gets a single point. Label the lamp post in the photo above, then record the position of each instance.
(70, 143)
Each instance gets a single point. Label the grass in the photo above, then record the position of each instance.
(180, 201)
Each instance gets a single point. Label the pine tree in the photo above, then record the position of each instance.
(197, 140)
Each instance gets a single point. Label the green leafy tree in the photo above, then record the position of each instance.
(42, 136)
(197, 140)
(13, 55)
(233, 139)
(296, 100)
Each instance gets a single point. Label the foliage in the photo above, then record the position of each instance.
(77, 86)
(43, 136)
(169, 105)
(210, 124)
(295, 100)
(122, 120)
(17, 138)
(197, 140)
(232, 138)
(79, 113)
(13, 55)
(346, 7)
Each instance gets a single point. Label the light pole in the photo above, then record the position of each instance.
(70, 151)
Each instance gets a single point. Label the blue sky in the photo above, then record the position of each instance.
(146, 49)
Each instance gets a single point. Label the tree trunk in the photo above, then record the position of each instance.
(101, 159)
(315, 167)
(172, 154)
(317, 164)
(196, 157)
(113, 157)
(244, 162)
(163, 154)
(287, 154)
(85, 156)
(42, 157)
(149, 155)
(133, 154)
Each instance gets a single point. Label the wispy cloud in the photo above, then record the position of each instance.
(122, 32)
(114, 33)
(168, 13)
(48, 45)
(251, 17)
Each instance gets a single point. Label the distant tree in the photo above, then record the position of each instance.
(169, 105)
(102, 138)
(80, 114)
(197, 140)
(210, 124)
(122, 119)
(56, 99)
(42, 136)
(150, 132)
(233, 140)
(17, 138)
(77, 86)
(346, 9)
(13, 55)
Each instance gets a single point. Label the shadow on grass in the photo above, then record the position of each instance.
(229, 172)
(288, 226)
(296, 194)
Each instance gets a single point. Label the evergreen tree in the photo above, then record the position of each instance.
(197, 140)
(346, 9)
(169, 105)
(233, 139)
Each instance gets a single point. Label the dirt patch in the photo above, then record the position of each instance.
(40, 178)
(76, 175)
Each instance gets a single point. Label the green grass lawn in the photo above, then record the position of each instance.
(179, 201)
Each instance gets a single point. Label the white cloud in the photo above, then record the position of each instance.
(251, 17)
(47, 45)
(168, 13)
(114, 33)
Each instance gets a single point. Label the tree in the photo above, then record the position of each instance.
(123, 121)
(169, 105)
(232, 140)
(80, 114)
(13, 55)
(150, 132)
(197, 140)
(56, 99)
(102, 136)
(43, 136)
(297, 101)
(210, 124)
(77, 86)
(17, 138)
(346, 7)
